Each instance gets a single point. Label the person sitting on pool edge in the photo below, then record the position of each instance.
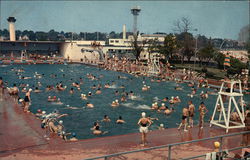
(144, 123)
(120, 120)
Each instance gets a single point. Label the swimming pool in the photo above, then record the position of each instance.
(81, 119)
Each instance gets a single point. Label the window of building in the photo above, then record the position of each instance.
(116, 41)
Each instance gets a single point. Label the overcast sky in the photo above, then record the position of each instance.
(221, 19)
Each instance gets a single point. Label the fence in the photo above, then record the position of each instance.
(169, 146)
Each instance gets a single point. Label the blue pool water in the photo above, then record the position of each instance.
(81, 120)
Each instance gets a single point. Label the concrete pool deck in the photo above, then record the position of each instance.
(21, 137)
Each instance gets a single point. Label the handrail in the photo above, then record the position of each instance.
(168, 145)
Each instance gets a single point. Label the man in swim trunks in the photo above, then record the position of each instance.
(144, 123)
(184, 118)
(191, 109)
(203, 110)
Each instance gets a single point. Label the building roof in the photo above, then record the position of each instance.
(25, 41)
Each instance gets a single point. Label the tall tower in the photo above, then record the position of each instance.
(12, 21)
(135, 11)
(124, 31)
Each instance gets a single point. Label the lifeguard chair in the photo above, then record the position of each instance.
(154, 66)
(221, 116)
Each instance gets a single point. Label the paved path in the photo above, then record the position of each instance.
(22, 138)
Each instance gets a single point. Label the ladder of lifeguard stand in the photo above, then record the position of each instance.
(154, 67)
(225, 111)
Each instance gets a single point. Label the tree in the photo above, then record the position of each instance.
(207, 52)
(248, 51)
(169, 46)
(41, 36)
(236, 66)
(53, 35)
(219, 58)
(186, 40)
(183, 25)
(186, 43)
(137, 46)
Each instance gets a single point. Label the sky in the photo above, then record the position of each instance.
(216, 19)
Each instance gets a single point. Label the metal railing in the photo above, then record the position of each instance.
(169, 146)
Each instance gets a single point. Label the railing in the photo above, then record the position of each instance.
(169, 146)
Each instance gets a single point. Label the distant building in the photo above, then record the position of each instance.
(244, 34)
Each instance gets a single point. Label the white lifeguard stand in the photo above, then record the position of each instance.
(154, 66)
(23, 54)
(225, 111)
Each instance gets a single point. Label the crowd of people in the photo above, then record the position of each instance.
(52, 124)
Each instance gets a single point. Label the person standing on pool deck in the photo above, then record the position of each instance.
(144, 123)
(27, 100)
(184, 118)
(203, 110)
(191, 109)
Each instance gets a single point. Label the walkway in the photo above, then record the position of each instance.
(22, 138)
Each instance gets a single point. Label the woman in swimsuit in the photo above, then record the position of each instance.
(144, 123)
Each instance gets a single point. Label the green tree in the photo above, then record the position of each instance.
(219, 58)
(169, 46)
(186, 43)
(236, 66)
(206, 53)
(248, 51)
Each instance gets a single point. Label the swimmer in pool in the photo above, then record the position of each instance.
(145, 88)
(144, 123)
(106, 119)
(123, 99)
(37, 90)
(152, 119)
(84, 97)
(97, 131)
(165, 99)
(162, 107)
(89, 94)
(120, 120)
(161, 127)
(95, 125)
(73, 139)
(168, 111)
(98, 91)
(115, 103)
(71, 91)
(89, 105)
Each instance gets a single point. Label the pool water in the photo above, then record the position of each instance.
(81, 119)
